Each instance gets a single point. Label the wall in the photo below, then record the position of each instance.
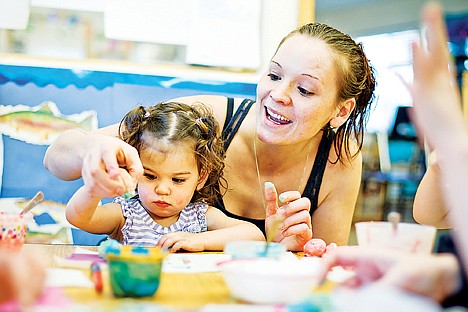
(111, 94)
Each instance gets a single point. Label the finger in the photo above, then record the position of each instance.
(127, 180)
(289, 196)
(295, 206)
(133, 168)
(168, 242)
(133, 163)
(271, 199)
(300, 229)
(97, 180)
(436, 34)
(176, 247)
(110, 160)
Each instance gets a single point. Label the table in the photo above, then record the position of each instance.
(178, 291)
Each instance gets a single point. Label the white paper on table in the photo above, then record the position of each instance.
(80, 250)
(56, 277)
(193, 263)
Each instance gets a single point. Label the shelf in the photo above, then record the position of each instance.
(180, 71)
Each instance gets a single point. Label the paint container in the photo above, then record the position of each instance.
(13, 228)
(135, 271)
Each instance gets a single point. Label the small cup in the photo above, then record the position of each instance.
(254, 249)
(135, 271)
(13, 228)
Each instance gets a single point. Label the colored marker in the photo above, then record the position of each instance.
(96, 276)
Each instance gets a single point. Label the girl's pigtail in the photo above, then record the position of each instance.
(131, 125)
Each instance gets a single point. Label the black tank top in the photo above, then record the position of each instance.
(311, 191)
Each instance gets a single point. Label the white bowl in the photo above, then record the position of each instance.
(271, 281)
(408, 237)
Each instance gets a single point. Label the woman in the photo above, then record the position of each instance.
(304, 133)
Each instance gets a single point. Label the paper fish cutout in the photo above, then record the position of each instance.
(42, 124)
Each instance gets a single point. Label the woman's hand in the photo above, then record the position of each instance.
(296, 229)
(102, 166)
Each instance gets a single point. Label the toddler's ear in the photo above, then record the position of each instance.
(202, 179)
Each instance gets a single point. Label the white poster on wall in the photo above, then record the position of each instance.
(14, 14)
(225, 33)
(156, 21)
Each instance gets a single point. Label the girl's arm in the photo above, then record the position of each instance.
(221, 230)
(83, 211)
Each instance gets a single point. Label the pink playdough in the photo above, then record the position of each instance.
(315, 247)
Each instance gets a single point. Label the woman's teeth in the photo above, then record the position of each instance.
(279, 119)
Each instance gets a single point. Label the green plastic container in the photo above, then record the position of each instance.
(134, 273)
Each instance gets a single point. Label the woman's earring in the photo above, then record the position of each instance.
(329, 127)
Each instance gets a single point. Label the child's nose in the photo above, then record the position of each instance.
(162, 189)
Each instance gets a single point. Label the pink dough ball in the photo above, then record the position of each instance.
(315, 247)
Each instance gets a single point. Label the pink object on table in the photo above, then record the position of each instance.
(52, 297)
(315, 247)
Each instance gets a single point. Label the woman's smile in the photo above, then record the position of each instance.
(276, 118)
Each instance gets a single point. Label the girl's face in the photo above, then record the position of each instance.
(297, 94)
(169, 180)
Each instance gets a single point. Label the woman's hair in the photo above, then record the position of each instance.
(356, 79)
(177, 122)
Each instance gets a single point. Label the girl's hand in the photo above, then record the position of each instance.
(296, 229)
(181, 240)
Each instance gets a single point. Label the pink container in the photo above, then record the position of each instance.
(13, 228)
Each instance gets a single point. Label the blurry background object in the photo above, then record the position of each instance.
(14, 14)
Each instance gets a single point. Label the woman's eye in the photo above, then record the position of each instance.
(149, 176)
(304, 91)
(273, 77)
(178, 181)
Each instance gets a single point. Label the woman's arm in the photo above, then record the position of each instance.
(429, 204)
(64, 158)
(97, 157)
(333, 218)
